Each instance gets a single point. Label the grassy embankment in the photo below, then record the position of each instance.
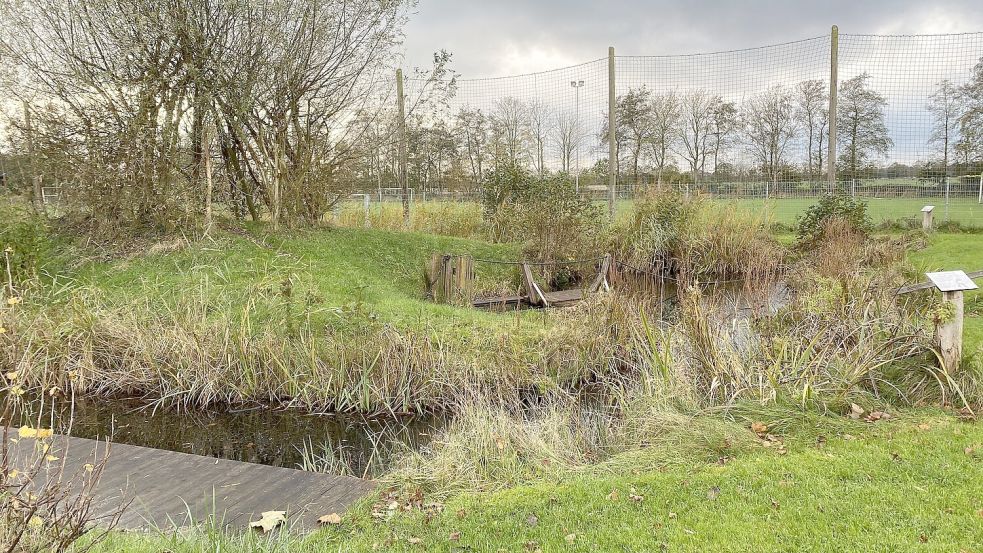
(913, 483)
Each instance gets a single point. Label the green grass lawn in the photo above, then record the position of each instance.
(331, 269)
(785, 211)
(913, 483)
(958, 252)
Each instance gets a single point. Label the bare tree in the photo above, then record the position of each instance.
(665, 130)
(697, 110)
(945, 105)
(769, 126)
(510, 131)
(970, 142)
(723, 126)
(568, 134)
(812, 115)
(472, 129)
(540, 126)
(282, 83)
(860, 120)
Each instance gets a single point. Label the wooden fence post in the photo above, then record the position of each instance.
(834, 50)
(950, 332)
(450, 278)
(927, 218)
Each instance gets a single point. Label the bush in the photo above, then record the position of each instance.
(28, 245)
(694, 238)
(812, 225)
(549, 218)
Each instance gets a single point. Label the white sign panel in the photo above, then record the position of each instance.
(951, 281)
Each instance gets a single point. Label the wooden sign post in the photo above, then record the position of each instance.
(927, 218)
(949, 332)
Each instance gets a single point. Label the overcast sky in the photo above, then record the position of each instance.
(504, 37)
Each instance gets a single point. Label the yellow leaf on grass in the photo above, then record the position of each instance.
(13, 301)
(12, 375)
(50, 458)
(35, 522)
(333, 518)
(759, 427)
(89, 467)
(269, 520)
(40, 433)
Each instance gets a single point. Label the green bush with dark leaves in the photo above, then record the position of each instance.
(835, 206)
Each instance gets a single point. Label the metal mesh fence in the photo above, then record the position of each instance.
(750, 126)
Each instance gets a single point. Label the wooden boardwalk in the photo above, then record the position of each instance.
(167, 489)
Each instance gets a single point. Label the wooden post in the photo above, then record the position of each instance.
(206, 154)
(834, 47)
(950, 332)
(365, 205)
(612, 143)
(37, 192)
(450, 278)
(401, 103)
(927, 218)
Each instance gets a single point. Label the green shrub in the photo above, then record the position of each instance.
(28, 244)
(812, 225)
(550, 219)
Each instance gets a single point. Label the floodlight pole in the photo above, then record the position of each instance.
(834, 46)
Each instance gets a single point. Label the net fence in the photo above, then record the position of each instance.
(750, 126)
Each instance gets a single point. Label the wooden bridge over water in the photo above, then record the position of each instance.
(167, 489)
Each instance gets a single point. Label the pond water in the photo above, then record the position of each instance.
(280, 437)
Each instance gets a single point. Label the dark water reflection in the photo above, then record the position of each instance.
(277, 437)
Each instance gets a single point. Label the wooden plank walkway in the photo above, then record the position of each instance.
(167, 489)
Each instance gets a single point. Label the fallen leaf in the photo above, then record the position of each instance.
(759, 428)
(40, 433)
(532, 520)
(635, 496)
(672, 515)
(333, 519)
(775, 503)
(455, 536)
(570, 538)
(461, 513)
(12, 375)
(613, 496)
(50, 458)
(713, 492)
(875, 416)
(269, 520)
(856, 411)
(414, 541)
(924, 426)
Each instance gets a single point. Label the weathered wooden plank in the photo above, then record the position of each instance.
(166, 488)
(928, 285)
(535, 293)
(601, 280)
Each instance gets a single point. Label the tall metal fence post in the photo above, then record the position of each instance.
(401, 103)
(947, 188)
(612, 145)
(834, 47)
